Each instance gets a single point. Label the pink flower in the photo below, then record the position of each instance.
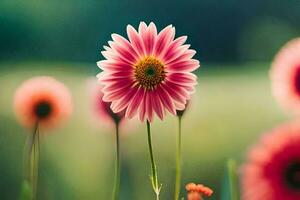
(285, 76)
(149, 73)
(43, 100)
(100, 108)
(272, 170)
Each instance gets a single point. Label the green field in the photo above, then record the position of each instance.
(232, 106)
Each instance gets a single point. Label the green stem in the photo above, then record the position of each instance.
(178, 161)
(36, 163)
(154, 177)
(33, 161)
(117, 167)
(233, 178)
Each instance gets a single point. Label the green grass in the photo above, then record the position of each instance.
(232, 107)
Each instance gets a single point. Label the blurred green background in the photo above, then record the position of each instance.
(235, 41)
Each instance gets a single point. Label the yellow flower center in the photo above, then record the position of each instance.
(149, 72)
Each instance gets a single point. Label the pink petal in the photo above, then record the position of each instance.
(173, 46)
(148, 35)
(143, 107)
(123, 52)
(134, 104)
(122, 102)
(163, 40)
(185, 56)
(183, 66)
(157, 105)
(114, 56)
(166, 100)
(107, 48)
(184, 79)
(116, 95)
(136, 40)
(125, 43)
(179, 106)
(175, 53)
(178, 93)
(108, 65)
(104, 78)
(189, 89)
(116, 86)
(120, 74)
(142, 28)
(149, 107)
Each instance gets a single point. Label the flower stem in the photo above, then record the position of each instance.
(117, 167)
(154, 177)
(33, 161)
(178, 160)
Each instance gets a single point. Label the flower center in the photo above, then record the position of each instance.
(292, 175)
(42, 109)
(297, 80)
(149, 72)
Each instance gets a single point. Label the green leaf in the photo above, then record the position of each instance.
(230, 189)
(26, 191)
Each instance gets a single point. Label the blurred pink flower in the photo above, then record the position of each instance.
(285, 76)
(44, 100)
(272, 169)
(148, 73)
(100, 108)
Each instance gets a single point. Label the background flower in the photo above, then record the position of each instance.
(44, 100)
(100, 108)
(148, 74)
(285, 76)
(197, 191)
(272, 170)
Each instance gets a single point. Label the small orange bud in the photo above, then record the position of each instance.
(195, 192)
(191, 187)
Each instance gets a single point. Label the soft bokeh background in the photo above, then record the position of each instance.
(235, 40)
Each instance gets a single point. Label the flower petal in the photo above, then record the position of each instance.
(136, 40)
(123, 52)
(117, 94)
(149, 35)
(108, 65)
(149, 106)
(163, 40)
(134, 104)
(143, 108)
(124, 42)
(185, 56)
(183, 66)
(177, 92)
(157, 105)
(175, 53)
(122, 102)
(166, 100)
(183, 79)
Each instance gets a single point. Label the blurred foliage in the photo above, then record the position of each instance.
(264, 37)
(230, 186)
(230, 30)
(26, 191)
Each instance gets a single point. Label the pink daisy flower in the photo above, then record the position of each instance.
(272, 169)
(42, 100)
(149, 73)
(285, 76)
(100, 108)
